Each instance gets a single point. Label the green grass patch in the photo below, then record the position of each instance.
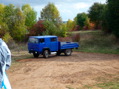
(104, 83)
(98, 42)
(113, 84)
(105, 51)
(89, 31)
(109, 85)
(17, 55)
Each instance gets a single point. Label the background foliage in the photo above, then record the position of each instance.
(17, 23)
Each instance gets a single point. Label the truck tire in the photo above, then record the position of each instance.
(68, 52)
(45, 53)
(35, 54)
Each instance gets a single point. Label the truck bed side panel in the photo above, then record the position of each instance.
(68, 45)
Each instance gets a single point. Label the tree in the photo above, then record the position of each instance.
(1, 12)
(82, 20)
(52, 21)
(30, 15)
(105, 23)
(51, 29)
(9, 16)
(70, 25)
(113, 21)
(19, 29)
(37, 29)
(3, 26)
(95, 13)
(51, 13)
(15, 20)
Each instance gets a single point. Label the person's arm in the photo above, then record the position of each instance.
(2, 62)
(8, 55)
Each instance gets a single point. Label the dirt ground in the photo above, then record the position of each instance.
(61, 72)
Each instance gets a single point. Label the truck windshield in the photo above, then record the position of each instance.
(33, 40)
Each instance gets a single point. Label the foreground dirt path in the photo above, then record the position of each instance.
(60, 72)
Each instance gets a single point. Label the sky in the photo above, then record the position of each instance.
(68, 8)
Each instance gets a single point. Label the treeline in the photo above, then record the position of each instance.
(106, 16)
(17, 23)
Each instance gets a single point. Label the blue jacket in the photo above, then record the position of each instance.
(5, 58)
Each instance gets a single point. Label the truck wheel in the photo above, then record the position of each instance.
(68, 52)
(46, 54)
(36, 54)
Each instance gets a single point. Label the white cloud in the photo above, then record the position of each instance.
(38, 9)
(80, 5)
(69, 11)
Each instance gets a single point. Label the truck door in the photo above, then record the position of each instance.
(42, 43)
(54, 44)
(33, 44)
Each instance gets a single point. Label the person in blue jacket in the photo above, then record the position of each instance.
(5, 62)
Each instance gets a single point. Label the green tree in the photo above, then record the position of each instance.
(1, 12)
(113, 21)
(3, 26)
(15, 20)
(51, 29)
(70, 25)
(95, 13)
(30, 15)
(9, 16)
(52, 21)
(19, 28)
(62, 32)
(105, 23)
(51, 13)
(82, 20)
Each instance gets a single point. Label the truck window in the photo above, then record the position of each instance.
(41, 40)
(33, 40)
(53, 39)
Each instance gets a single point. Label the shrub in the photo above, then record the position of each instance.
(37, 29)
(76, 37)
(7, 38)
(66, 39)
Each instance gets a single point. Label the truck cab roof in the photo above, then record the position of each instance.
(48, 36)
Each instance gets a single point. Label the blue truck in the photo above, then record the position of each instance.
(44, 45)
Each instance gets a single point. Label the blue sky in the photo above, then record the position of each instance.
(68, 8)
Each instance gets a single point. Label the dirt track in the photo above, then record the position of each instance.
(60, 72)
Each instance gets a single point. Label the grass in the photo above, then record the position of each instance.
(113, 84)
(97, 42)
(19, 51)
(20, 55)
(89, 31)
(101, 84)
(109, 85)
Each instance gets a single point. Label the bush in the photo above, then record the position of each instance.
(65, 39)
(7, 38)
(76, 37)
(37, 29)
